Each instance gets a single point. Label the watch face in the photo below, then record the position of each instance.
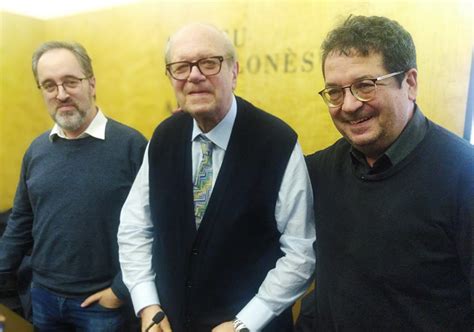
(241, 328)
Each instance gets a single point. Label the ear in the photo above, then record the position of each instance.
(412, 81)
(235, 72)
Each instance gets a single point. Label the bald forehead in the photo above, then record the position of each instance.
(199, 39)
(198, 29)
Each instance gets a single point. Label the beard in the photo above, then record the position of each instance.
(70, 120)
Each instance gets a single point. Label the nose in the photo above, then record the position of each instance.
(350, 103)
(62, 93)
(195, 75)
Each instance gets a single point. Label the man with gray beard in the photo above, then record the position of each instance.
(74, 180)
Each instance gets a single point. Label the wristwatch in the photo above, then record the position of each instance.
(239, 326)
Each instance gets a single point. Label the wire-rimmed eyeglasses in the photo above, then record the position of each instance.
(207, 66)
(363, 90)
(69, 84)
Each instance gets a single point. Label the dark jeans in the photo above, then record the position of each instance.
(52, 312)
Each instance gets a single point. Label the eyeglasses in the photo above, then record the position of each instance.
(69, 84)
(363, 90)
(207, 66)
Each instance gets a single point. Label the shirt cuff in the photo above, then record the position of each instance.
(144, 295)
(256, 315)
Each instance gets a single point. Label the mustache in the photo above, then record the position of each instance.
(358, 114)
(66, 103)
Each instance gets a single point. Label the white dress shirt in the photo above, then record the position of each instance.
(295, 221)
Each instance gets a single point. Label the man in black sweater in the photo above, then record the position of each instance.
(74, 180)
(394, 198)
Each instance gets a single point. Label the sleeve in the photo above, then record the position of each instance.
(17, 238)
(464, 229)
(137, 148)
(135, 240)
(292, 274)
(119, 288)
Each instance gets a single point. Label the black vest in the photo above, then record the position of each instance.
(206, 277)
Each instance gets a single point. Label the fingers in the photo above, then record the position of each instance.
(224, 327)
(165, 325)
(91, 299)
(147, 314)
(155, 328)
(109, 300)
(158, 328)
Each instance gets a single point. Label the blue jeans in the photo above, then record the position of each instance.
(52, 312)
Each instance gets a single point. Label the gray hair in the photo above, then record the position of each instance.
(75, 48)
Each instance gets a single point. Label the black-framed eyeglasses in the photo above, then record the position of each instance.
(207, 66)
(363, 90)
(69, 84)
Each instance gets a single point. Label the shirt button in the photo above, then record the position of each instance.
(189, 284)
(194, 252)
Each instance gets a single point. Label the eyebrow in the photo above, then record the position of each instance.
(61, 78)
(196, 58)
(360, 78)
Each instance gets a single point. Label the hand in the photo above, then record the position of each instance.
(106, 298)
(147, 315)
(224, 327)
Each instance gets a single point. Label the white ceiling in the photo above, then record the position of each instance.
(45, 9)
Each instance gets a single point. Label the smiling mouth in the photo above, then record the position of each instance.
(355, 122)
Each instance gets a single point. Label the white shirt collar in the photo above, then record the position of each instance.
(95, 129)
(220, 134)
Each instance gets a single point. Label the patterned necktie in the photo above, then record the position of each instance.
(203, 182)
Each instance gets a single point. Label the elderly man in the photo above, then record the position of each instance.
(394, 198)
(74, 180)
(218, 228)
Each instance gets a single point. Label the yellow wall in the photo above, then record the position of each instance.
(126, 45)
(22, 114)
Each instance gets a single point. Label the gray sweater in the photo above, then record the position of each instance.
(67, 209)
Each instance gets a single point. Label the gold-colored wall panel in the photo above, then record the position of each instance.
(22, 115)
(278, 45)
